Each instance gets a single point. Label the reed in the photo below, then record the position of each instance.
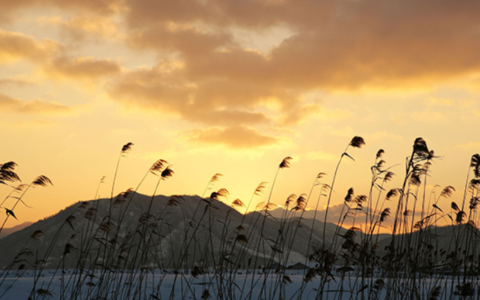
(134, 246)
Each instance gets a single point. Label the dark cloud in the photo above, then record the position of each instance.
(348, 45)
(247, 13)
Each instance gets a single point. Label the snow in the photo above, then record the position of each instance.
(163, 284)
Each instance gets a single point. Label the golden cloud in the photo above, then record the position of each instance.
(83, 67)
(333, 45)
(299, 113)
(235, 136)
(337, 45)
(247, 13)
(10, 9)
(15, 46)
(212, 101)
(9, 104)
(15, 81)
(80, 27)
(220, 81)
(154, 88)
(185, 39)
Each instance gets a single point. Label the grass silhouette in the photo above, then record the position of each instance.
(185, 247)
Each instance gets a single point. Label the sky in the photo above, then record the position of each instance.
(234, 87)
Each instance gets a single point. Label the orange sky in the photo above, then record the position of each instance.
(233, 87)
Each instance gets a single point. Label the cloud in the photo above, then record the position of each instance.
(236, 137)
(248, 13)
(16, 46)
(82, 67)
(11, 9)
(166, 88)
(50, 54)
(226, 117)
(160, 88)
(185, 39)
(17, 81)
(337, 44)
(207, 75)
(9, 104)
(299, 113)
(330, 46)
(80, 27)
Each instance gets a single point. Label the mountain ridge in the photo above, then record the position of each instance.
(178, 213)
(185, 231)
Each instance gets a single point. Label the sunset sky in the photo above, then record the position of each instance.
(233, 87)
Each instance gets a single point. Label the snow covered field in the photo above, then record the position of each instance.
(162, 284)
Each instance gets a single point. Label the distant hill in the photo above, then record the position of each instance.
(182, 232)
(7, 231)
(171, 228)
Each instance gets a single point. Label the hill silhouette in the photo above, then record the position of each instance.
(191, 224)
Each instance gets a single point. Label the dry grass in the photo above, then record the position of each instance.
(213, 244)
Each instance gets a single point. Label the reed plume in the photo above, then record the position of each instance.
(238, 203)
(356, 142)
(125, 149)
(285, 163)
(7, 172)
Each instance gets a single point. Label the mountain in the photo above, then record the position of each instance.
(186, 231)
(178, 231)
(440, 239)
(7, 231)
